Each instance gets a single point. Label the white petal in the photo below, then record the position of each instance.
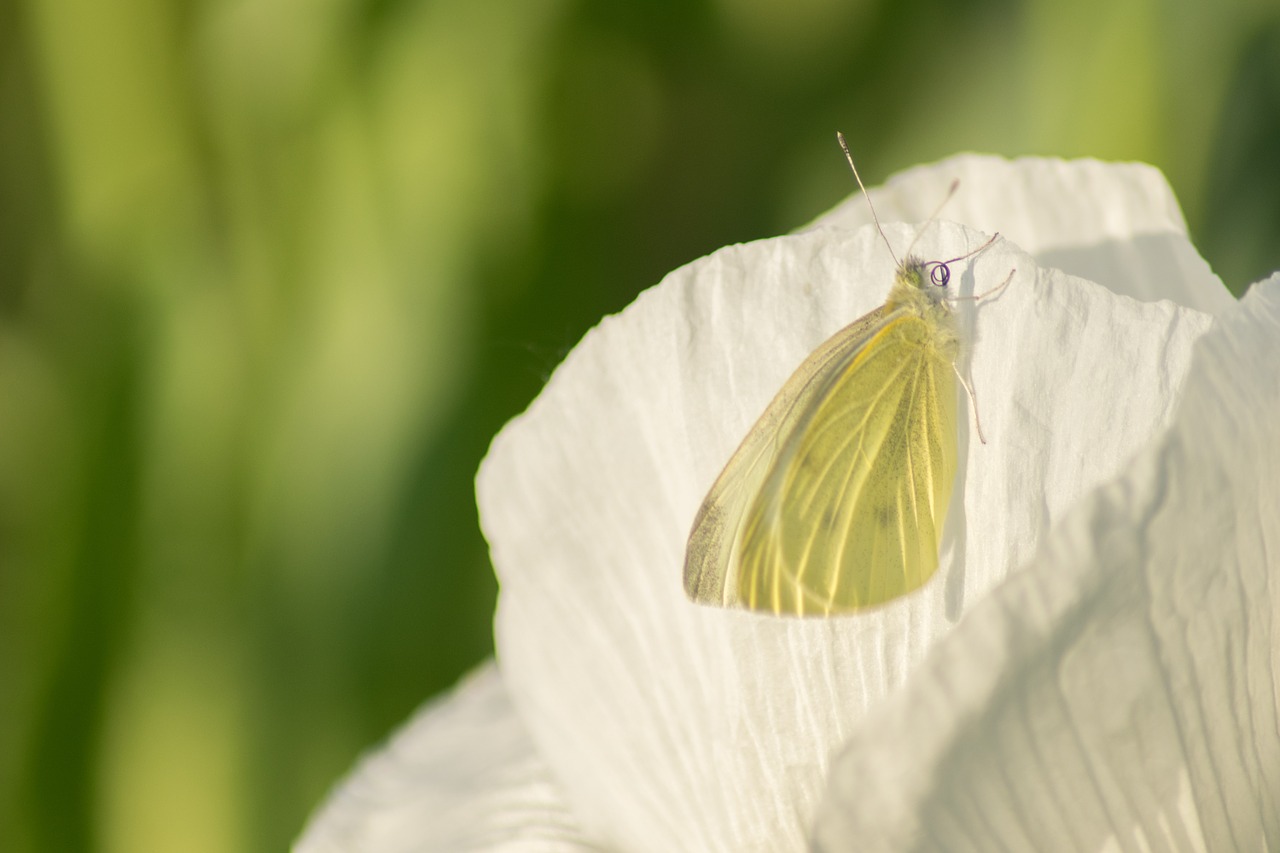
(461, 775)
(674, 726)
(1121, 693)
(1116, 224)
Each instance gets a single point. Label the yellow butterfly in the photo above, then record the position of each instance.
(836, 498)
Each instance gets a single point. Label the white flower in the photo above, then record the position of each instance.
(1091, 668)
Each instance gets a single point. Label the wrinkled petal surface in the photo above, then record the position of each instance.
(461, 775)
(1120, 693)
(678, 727)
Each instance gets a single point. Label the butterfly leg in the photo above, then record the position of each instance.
(977, 421)
(999, 287)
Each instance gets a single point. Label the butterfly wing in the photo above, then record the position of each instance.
(851, 514)
(713, 540)
(836, 499)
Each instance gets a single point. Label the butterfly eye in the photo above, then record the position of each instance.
(940, 273)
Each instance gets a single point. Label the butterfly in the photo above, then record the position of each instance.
(836, 499)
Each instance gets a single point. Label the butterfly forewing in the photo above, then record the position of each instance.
(836, 498)
(713, 543)
(851, 514)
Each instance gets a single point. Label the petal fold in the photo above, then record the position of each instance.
(1121, 692)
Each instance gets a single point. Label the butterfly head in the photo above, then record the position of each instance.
(920, 283)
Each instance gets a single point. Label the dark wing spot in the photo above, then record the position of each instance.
(828, 518)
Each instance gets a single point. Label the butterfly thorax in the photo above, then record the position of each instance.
(915, 292)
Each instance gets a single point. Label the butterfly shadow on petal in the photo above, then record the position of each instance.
(955, 529)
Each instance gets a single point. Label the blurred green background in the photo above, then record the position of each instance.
(273, 272)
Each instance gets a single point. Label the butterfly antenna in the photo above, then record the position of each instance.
(951, 190)
(849, 156)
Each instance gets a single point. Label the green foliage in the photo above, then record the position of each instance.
(272, 273)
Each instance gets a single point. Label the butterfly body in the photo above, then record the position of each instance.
(835, 500)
